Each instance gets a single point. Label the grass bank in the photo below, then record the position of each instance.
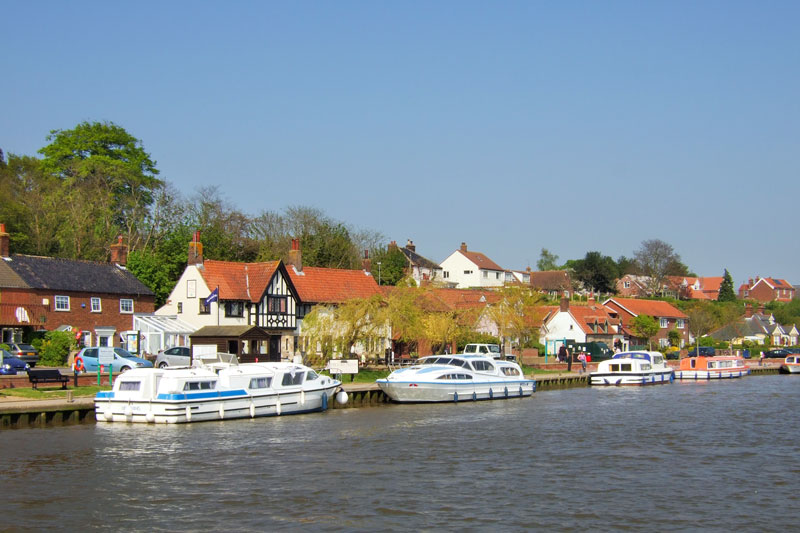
(50, 393)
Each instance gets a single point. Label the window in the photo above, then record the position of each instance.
(199, 385)
(62, 303)
(680, 324)
(204, 309)
(664, 323)
(293, 378)
(497, 275)
(234, 309)
(485, 274)
(260, 383)
(277, 305)
(627, 284)
(446, 274)
(468, 272)
(126, 305)
(180, 307)
(129, 385)
(96, 307)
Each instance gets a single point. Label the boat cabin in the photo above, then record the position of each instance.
(721, 362)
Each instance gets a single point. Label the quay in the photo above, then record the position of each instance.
(27, 413)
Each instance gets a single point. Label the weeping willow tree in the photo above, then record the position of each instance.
(515, 314)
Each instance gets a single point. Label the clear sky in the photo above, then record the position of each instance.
(511, 126)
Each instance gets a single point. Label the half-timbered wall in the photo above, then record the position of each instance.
(278, 307)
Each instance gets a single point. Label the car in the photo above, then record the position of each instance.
(704, 350)
(175, 356)
(10, 365)
(87, 358)
(673, 354)
(26, 352)
(777, 353)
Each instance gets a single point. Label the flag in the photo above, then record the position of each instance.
(213, 297)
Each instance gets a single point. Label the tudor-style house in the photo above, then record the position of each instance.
(668, 318)
(94, 300)
(472, 269)
(224, 293)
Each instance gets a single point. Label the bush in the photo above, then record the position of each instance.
(56, 347)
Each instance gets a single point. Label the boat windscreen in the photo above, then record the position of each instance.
(632, 355)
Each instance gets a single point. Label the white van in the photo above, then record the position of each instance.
(492, 350)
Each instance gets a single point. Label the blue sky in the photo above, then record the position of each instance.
(511, 126)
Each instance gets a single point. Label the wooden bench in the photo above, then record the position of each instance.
(47, 375)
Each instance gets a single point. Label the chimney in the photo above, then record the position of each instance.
(5, 242)
(590, 299)
(195, 250)
(463, 247)
(410, 246)
(119, 252)
(564, 304)
(367, 263)
(392, 246)
(748, 310)
(761, 309)
(750, 282)
(295, 256)
(527, 269)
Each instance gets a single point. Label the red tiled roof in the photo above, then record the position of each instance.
(332, 285)
(654, 308)
(238, 281)
(482, 261)
(466, 298)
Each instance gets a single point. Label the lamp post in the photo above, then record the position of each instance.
(379, 272)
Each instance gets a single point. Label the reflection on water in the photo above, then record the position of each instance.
(712, 456)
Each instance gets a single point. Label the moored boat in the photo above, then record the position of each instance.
(791, 365)
(633, 368)
(460, 377)
(712, 367)
(215, 392)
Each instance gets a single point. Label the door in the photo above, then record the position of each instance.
(274, 348)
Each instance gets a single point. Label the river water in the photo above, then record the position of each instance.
(717, 456)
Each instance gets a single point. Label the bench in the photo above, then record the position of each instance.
(47, 375)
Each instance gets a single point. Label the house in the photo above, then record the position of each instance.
(95, 300)
(233, 294)
(579, 323)
(472, 269)
(519, 277)
(757, 327)
(668, 317)
(554, 283)
(632, 286)
(421, 269)
(694, 288)
(767, 290)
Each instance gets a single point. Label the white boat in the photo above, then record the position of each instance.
(791, 365)
(460, 377)
(633, 368)
(215, 392)
(712, 367)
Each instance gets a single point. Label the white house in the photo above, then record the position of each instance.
(472, 269)
(580, 323)
(420, 268)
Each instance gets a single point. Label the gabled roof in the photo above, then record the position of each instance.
(238, 281)
(414, 259)
(72, 275)
(10, 279)
(654, 308)
(459, 299)
(332, 285)
(481, 261)
(584, 315)
(551, 280)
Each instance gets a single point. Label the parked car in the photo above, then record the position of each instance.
(10, 365)
(777, 353)
(176, 356)
(123, 360)
(673, 354)
(26, 352)
(704, 350)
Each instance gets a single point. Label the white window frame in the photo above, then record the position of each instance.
(626, 284)
(59, 301)
(664, 322)
(122, 309)
(681, 324)
(99, 307)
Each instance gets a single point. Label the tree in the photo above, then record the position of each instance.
(393, 265)
(726, 293)
(547, 260)
(645, 327)
(515, 314)
(596, 271)
(701, 319)
(656, 259)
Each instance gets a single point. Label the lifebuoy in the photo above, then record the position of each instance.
(79, 364)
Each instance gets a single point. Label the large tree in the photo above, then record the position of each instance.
(547, 260)
(597, 272)
(645, 327)
(726, 293)
(657, 259)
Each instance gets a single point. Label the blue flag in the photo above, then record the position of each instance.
(213, 297)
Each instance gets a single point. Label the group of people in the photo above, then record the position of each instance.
(564, 355)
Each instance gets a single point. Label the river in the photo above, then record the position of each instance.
(717, 456)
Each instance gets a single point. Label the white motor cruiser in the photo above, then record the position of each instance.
(460, 377)
(791, 365)
(633, 368)
(215, 392)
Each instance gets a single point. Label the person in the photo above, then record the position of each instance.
(387, 355)
(582, 359)
(761, 360)
(569, 361)
(562, 354)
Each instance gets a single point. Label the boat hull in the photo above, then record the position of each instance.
(699, 375)
(420, 391)
(790, 369)
(213, 406)
(657, 377)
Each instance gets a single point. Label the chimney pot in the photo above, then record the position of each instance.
(295, 256)
(366, 262)
(195, 250)
(119, 252)
(410, 245)
(463, 247)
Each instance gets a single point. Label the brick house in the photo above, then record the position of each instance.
(93, 299)
(667, 316)
(767, 290)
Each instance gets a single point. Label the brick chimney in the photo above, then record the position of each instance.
(463, 247)
(761, 309)
(410, 246)
(295, 256)
(195, 250)
(564, 304)
(748, 310)
(5, 242)
(367, 262)
(119, 252)
(392, 246)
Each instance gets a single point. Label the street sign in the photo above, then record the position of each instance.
(105, 355)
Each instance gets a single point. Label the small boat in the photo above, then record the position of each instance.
(454, 378)
(791, 365)
(633, 368)
(712, 367)
(215, 392)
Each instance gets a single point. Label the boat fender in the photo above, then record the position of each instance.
(278, 406)
(221, 411)
(302, 397)
(324, 401)
(520, 390)
(491, 394)
(108, 415)
(128, 411)
(533, 386)
(671, 378)
(455, 396)
(341, 397)
(150, 417)
(505, 389)
(474, 396)
(188, 414)
(252, 410)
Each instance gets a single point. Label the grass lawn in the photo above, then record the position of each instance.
(45, 393)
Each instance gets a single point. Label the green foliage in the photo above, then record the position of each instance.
(645, 327)
(547, 260)
(597, 272)
(786, 313)
(674, 337)
(726, 293)
(56, 347)
(393, 266)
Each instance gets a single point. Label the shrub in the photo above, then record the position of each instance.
(56, 347)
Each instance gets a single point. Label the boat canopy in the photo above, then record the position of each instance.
(632, 355)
